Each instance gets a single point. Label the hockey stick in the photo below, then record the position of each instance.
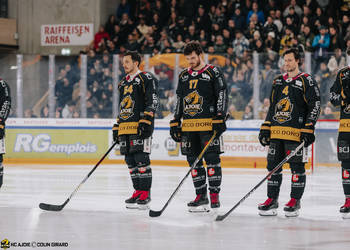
(153, 213)
(222, 217)
(50, 207)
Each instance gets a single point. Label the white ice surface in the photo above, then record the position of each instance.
(96, 217)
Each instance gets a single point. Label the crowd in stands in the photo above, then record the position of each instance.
(232, 28)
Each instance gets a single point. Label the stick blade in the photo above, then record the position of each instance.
(50, 207)
(153, 213)
(220, 218)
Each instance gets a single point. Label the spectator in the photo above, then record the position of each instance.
(202, 21)
(238, 19)
(278, 20)
(28, 113)
(123, 8)
(323, 78)
(293, 3)
(259, 13)
(68, 110)
(306, 38)
(100, 37)
(335, 39)
(44, 112)
(63, 92)
(268, 76)
(109, 26)
(269, 26)
(321, 44)
(271, 45)
(293, 16)
(327, 114)
(143, 28)
(179, 44)
(286, 41)
(336, 62)
(248, 114)
(240, 44)
(219, 46)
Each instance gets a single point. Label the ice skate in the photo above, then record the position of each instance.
(131, 203)
(144, 200)
(291, 209)
(200, 204)
(269, 207)
(214, 200)
(345, 209)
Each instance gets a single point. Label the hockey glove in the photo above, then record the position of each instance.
(219, 125)
(145, 128)
(175, 130)
(2, 129)
(265, 134)
(307, 134)
(115, 132)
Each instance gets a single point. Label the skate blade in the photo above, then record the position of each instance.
(292, 214)
(199, 209)
(345, 216)
(143, 207)
(132, 206)
(271, 212)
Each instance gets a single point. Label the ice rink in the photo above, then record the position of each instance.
(96, 217)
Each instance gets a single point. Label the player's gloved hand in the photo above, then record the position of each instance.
(265, 134)
(175, 130)
(2, 128)
(219, 125)
(145, 128)
(307, 134)
(115, 132)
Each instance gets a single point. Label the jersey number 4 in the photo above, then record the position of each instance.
(128, 89)
(193, 84)
(285, 90)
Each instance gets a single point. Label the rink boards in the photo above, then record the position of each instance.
(84, 141)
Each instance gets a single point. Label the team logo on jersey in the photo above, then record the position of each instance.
(184, 78)
(126, 108)
(283, 110)
(193, 103)
(346, 174)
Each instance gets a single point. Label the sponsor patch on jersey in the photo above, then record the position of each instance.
(295, 178)
(298, 83)
(184, 78)
(211, 171)
(126, 108)
(193, 103)
(205, 77)
(194, 73)
(283, 110)
(346, 110)
(148, 75)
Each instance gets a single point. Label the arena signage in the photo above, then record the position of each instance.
(67, 34)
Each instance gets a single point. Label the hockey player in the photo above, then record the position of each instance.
(291, 119)
(5, 104)
(340, 96)
(138, 101)
(201, 108)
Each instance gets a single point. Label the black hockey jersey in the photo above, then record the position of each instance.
(338, 94)
(201, 95)
(5, 100)
(294, 102)
(137, 96)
